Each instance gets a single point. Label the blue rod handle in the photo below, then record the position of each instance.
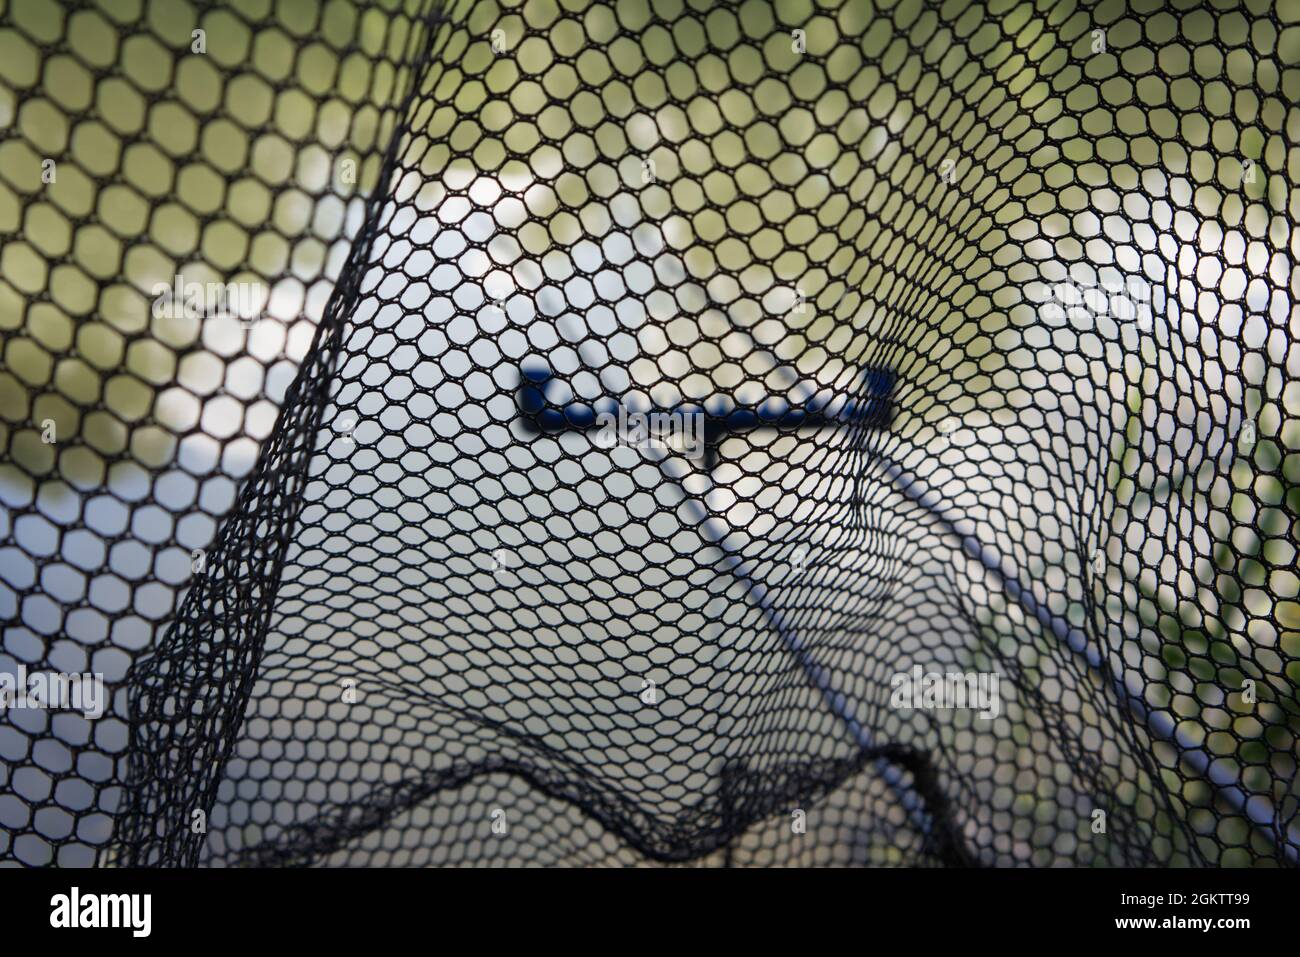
(543, 403)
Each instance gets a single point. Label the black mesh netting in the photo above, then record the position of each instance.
(984, 314)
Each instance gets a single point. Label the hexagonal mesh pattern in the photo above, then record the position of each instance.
(967, 341)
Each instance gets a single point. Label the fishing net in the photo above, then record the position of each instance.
(966, 332)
